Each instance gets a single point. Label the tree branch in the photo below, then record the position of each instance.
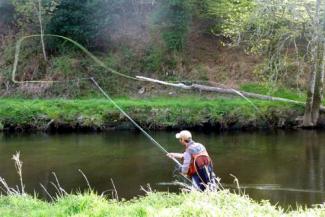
(220, 90)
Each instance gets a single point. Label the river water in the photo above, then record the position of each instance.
(285, 167)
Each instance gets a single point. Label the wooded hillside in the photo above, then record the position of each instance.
(220, 42)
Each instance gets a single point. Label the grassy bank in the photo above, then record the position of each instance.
(154, 113)
(218, 204)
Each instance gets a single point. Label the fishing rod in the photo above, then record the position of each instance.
(99, 62)
(138, 126)
(102, 64)
(132, 121)
(82, 48)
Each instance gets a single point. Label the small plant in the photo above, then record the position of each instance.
(19, 169)
(14, 191)
(153, 59)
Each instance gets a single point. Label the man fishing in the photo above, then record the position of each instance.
(197, 164)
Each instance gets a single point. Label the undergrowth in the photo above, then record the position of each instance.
(221, 204)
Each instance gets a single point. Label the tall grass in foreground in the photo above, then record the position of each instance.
(211, 203)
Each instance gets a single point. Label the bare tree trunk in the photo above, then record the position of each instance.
(41, 27)
(308, 119)
(313, 101)
(318, 92)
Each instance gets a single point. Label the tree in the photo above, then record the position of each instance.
(274, 29)
(81, 20)
(231, 16)
(287, 33)
(29, 17)
(27, 13)
(296, 24)
(316, 80)
(173, 19)
(40, 11)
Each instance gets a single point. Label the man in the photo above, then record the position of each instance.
(197, 164)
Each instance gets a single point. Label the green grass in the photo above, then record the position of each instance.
(277, 91)
(156, 112)
(221, 204)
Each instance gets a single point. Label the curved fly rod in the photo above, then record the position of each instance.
(132, 121)
(93, 57)
(138, 126)
(113, 71)
(99, 62)
(82, 48)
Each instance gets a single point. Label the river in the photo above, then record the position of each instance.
(285, 167)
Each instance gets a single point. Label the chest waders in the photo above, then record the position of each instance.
(201, 171)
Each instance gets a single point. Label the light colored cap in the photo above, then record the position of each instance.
(184, 134)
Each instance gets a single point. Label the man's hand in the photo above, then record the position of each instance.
(175, 155)
(178, 169)
(170, 155)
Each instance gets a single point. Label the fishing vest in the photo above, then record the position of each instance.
(199, 158)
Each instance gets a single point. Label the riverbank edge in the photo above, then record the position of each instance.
(218, 114)
(221, 203)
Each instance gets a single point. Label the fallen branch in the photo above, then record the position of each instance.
(224, 91)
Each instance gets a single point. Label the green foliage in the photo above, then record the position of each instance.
(283, 32)
(153, 59)
(173, 19)
(279, 30)
(154, 113)
(62, 66)
(158, 60)
(278, 91)
(26, 14)
(230, 16)
(82, 21)
(221, 203)
(275, 22)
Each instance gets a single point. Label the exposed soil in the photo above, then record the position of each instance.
(214, 61)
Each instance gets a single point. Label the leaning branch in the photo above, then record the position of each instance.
(220, 90)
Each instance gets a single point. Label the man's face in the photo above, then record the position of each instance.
(182, 141)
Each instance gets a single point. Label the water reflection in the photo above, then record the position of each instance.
(292, 160)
